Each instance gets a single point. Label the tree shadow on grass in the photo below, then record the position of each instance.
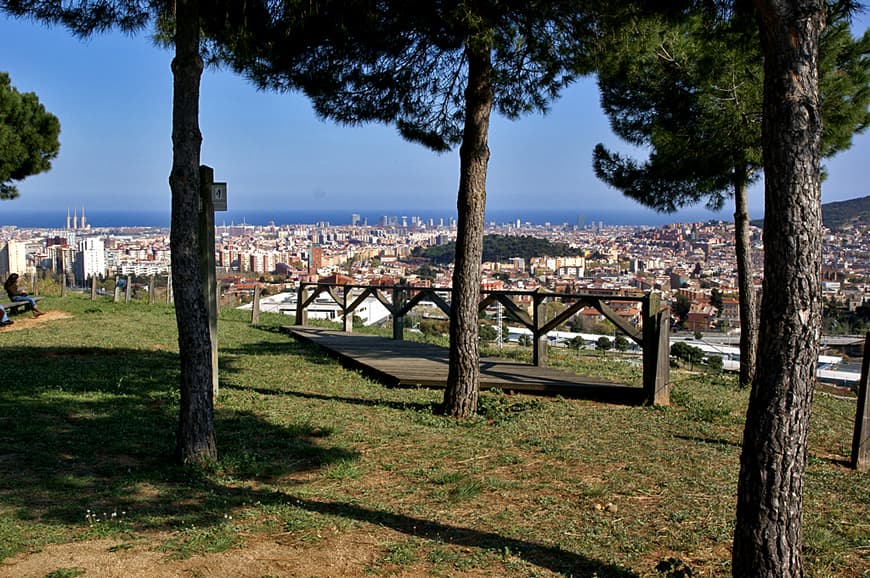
(550, 557)
(90, 429)
(399, 405)
(309, 352)
(90, 432)
(709, 440)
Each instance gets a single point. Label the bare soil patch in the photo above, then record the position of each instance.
(26, 320)
(334, 554)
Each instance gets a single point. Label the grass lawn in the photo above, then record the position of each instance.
(322, 472)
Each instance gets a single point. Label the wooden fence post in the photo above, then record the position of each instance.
(62, 275)
(861, 438)
(128, 290)
(398, 317)
(93, 287)
(151, 290)
(656, 350)
(255, 305)
(301, 313)
(539, 341)
(348, 315)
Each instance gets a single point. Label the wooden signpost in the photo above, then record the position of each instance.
(213, 197)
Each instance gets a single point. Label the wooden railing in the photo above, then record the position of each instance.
(652, 335)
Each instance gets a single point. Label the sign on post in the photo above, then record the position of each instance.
(219, 196)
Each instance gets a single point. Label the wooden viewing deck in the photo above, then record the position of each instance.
(411, 364)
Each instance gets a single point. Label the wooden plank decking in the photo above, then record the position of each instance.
(412, 364)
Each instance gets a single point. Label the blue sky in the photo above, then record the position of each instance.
(113, 94)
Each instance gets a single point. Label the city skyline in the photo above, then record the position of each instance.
(112, 94)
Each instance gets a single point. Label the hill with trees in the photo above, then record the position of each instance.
(840, 213)
(851, 212)
(500, 248)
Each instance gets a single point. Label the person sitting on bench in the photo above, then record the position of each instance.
(15, 294)
(4, 320)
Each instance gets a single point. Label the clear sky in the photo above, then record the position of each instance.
(113, 94)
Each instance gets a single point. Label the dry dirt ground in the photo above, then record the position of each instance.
(25, 320)
(337, 555)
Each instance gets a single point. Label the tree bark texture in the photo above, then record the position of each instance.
(748, 300)
(195, 441)
(463, 377)
(768, 537)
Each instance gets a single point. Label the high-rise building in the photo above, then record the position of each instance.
(90, 259)
(13, 259)
(315, 259)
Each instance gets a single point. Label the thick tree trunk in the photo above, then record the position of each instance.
(195, 442)
(768, 538)
(748, 307)
(463, 378)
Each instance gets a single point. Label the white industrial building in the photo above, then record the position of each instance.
(371, 311)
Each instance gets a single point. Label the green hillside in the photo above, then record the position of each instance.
(837, 214)
(324, 472)
(851, 212)
(500, 248)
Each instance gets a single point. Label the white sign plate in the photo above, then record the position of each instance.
(219, 196)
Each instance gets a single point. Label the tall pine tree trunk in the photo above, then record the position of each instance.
(195, 442)
(748, 300)
(768, 537)
(463, 378)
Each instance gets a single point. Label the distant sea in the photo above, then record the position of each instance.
(160, 218)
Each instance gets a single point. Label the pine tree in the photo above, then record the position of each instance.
(435, 71)
(691, 90)
(195, 435)
(768, 533)
(28, 137)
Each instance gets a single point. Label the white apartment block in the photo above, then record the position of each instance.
(142, 268)
(90, 259)
(13, 259)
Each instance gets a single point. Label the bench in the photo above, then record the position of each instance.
(14, 306)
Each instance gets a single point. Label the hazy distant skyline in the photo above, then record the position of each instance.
(113, 96)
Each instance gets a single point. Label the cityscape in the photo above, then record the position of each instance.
(683, 259)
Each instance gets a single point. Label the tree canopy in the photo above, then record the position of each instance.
(28, 137)
(407, 64)
(435, 71)
(691, 90)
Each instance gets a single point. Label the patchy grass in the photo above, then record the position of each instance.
(319, 461)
